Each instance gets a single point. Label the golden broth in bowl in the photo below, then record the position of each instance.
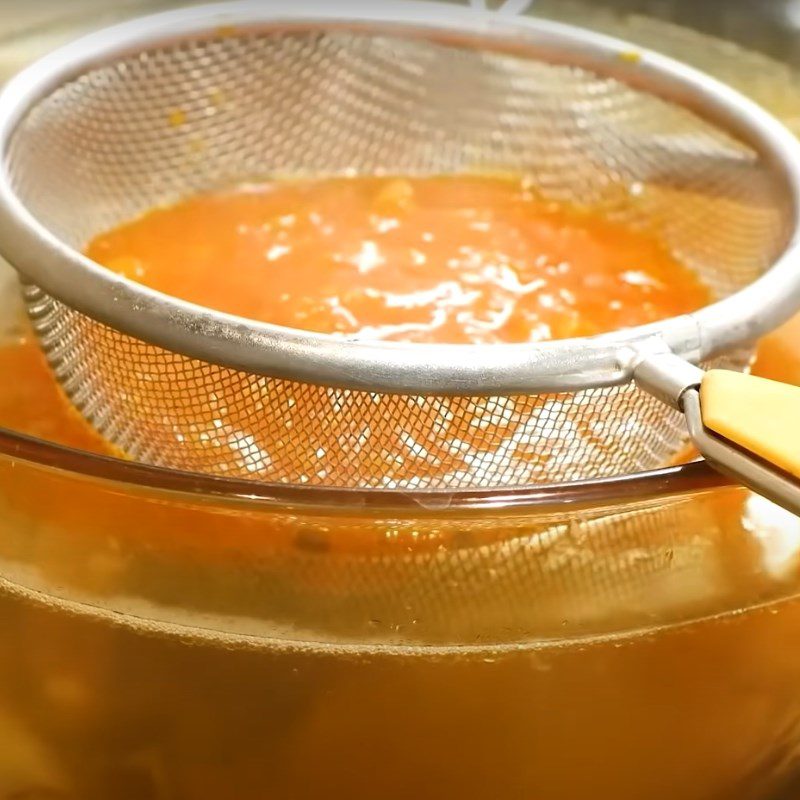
(172, 645)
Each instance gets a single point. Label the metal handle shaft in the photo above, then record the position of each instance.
(677, 383)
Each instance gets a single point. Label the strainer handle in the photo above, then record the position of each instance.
(763, 457)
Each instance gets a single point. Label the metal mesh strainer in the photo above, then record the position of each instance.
(88, 139)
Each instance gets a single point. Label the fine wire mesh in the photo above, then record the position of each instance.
(218, 109)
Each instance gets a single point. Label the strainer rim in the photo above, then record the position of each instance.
(262, 348)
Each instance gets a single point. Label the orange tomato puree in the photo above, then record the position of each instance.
(449, 259)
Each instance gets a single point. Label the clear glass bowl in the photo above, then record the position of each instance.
(175, 637)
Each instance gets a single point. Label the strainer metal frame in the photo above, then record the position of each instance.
(556, 366)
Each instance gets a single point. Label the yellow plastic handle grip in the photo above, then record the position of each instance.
(759, 415)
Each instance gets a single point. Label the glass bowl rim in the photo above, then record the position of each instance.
(693, 477)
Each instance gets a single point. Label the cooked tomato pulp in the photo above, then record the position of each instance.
(450, 259)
